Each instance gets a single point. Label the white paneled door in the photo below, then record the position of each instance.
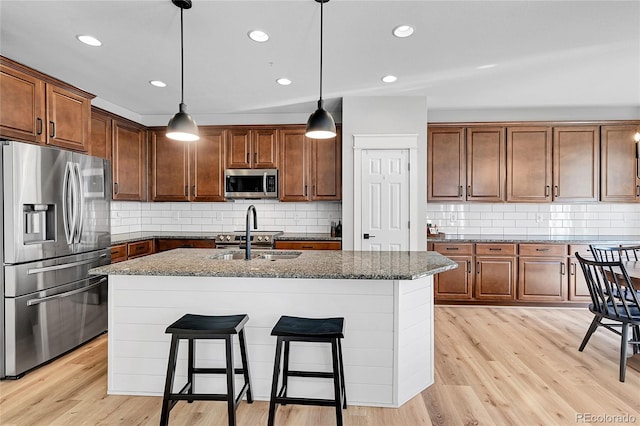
(385, 200)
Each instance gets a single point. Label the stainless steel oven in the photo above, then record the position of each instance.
(251, 183)
(259, 239)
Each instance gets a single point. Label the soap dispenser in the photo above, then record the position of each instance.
(339, 229)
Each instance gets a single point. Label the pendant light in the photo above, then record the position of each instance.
(320, 124)
(182, 127)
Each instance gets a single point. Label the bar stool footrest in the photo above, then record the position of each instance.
(317, 374)
(218, 370)
(305, 401)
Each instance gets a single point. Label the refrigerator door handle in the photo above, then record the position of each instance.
(67, 209)
(33, 271)
(39, 300)
(79, 203)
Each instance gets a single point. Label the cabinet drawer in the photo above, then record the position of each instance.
(164, 244)
(494, 248)
(118, 253)
(454, 249)
(543, 250)
(140, 248)
(309, 245)
(582, 249)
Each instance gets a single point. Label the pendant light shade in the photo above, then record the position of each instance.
(320, 124)
(182, 127)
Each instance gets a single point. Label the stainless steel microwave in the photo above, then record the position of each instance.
(251, 183)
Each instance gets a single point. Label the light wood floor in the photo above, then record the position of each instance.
(494, 366)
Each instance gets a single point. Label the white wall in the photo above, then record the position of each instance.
(381, 115)
(222, 217)
(535, 219)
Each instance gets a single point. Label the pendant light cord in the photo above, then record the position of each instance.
(321, 27)
(181, 58)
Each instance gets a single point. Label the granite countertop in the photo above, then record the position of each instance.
(562, 239)
(131, 237)
(327, 264)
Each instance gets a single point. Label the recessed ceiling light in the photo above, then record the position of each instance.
(90, 40)
(486, 67)
(403, 31)
(389, 78)
(283, 81)
(259, 36)
(157, 83)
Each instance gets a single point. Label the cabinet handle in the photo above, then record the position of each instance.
(307, 247)
(314, 190)
(468, 266)
(248, 158)
(116, 188)
(546, 191)
(563, 269)
(193, 190)
(186, 190)
(573, 269)
(556, 190)
(52, 132)
(478, 267)
(305, 190)
(637, 190)
(542, 249)
(495, 249)
(460, 191)
(39, 126)
(452, 248)
(469, 194)
(255, 158)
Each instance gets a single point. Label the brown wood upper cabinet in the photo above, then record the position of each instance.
(620, 168)
(129, 161)
(252, 148)
(552, 164)
(36, 108)
(187, 171)
(310, 169)
(466, 164)
(101, 127)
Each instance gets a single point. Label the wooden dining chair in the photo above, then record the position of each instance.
(612, 253)
(607, 282)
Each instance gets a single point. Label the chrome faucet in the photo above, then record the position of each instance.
(247, 247)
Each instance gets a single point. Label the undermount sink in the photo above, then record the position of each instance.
(271, 255)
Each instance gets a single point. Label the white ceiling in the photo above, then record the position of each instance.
(548, 53)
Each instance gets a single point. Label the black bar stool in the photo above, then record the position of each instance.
(294, 329)
(193, 327)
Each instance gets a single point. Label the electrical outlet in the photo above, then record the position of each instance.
(453, 217)
(538, 217)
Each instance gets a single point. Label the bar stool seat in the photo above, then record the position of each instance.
(194, 327)
(296, 329)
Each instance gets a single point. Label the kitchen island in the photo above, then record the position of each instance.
(386, 299)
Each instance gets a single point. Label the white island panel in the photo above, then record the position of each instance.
(388, 352)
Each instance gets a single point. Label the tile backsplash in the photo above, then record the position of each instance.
(535, 219)
(222, 217)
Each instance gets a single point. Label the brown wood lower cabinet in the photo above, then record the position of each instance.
(308, 245)
(164, 244)
(578, 290)
(542, 272)
(126, 251)
(456, 284)
(495, 271)
(118, 253)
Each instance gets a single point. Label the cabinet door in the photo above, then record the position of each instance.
(456, 284)
(576, 159)
(495, 278)
(446, 164)
(485, 164)
(139, 249)
(164, 244)
(529, 164)
(100, 140)
(22, 106)
(129, 154)
(265, 149)
(620, 171)
(207, 166)
(238, 149)
(578, 290)
(294, 165)
(542, 279)
(326, 169)
(169, 168)
(68, 118)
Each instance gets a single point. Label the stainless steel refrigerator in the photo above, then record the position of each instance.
(55, 220)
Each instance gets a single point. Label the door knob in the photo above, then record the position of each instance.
(367, 236)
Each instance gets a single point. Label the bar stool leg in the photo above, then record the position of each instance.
(168, 386)
(285, 370)
(231, 403)
(342, 378)
(190, 375)
(337, 386)
(274, 383)
(245, 365)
